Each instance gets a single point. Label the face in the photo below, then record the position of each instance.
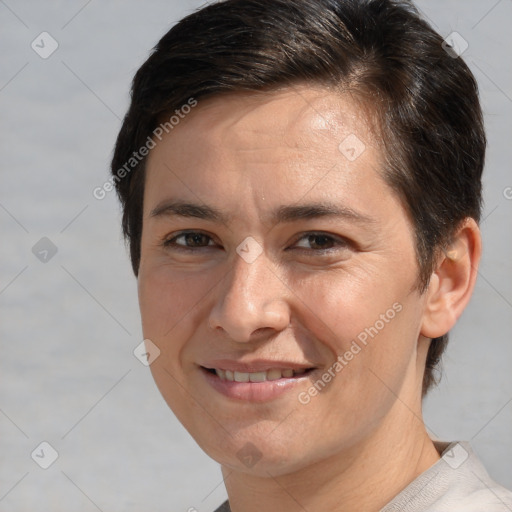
(277, 279)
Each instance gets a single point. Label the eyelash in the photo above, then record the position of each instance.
(339, 242)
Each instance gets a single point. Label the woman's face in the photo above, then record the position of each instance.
(277, 279)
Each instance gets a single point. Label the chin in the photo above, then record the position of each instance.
(256, 455)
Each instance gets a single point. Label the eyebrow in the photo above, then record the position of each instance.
(317, 210)
(184, 209)
(283, 214)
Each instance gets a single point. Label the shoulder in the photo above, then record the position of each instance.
(488, 498)
(458, 482)
(471, 489)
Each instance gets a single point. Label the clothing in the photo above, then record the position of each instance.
(455, 483)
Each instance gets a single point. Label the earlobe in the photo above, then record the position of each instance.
(453, 281)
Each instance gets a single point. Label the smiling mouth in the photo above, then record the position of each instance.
(261, 376)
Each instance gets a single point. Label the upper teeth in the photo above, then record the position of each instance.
(273, 374)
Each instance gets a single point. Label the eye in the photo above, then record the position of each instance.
(320, 242)
(189, 240)
(309, 242)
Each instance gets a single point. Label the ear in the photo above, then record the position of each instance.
(453, 281)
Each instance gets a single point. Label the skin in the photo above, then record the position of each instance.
(304, 299)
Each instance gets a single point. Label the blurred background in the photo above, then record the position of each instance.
(69, 319)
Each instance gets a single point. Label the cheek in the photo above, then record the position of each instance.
(170, 303)
(371, 327)
(341, 306)
(168, 298)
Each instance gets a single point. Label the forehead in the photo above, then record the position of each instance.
(294, 116)
(301, 122)
(269, 149)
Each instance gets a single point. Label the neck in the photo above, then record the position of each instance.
(365, 477)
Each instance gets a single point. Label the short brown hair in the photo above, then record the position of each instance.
(426, 99)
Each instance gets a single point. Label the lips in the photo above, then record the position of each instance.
(257, 381)
(272, 374)
(255, 365)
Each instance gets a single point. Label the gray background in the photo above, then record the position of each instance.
(69, 326)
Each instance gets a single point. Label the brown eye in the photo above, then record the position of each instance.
(319, 242)
(196, 239)
(189, 240)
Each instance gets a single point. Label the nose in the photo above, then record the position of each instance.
(252, 300)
